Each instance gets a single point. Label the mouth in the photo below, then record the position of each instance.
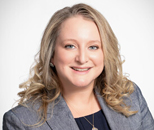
(80, 69)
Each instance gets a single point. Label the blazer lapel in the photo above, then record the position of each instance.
(60, 117)
(116, 120)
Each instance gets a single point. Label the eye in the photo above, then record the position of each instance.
(93, 47)
(70, 46)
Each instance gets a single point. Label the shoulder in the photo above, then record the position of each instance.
(137, 94)
(10, 121)
(137, 98)
(20, 117)
(138, 103)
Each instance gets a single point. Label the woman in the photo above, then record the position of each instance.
(77, 82)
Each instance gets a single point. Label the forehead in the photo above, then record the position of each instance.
(79, 27)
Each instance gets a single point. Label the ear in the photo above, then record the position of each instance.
(52, 61)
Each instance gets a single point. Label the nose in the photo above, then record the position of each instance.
(82, 56)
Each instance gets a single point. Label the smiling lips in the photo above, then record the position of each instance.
(81, 69)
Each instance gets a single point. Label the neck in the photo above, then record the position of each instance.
(81, 101)
(79, 95)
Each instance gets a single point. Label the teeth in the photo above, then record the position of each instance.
(80, 69)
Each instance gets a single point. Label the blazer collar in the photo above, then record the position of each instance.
(60, 117)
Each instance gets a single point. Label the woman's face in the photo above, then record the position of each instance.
(78, 56)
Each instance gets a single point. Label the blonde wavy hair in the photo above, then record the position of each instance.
(43, 84)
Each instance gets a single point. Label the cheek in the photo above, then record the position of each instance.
(98, 59)
(61, 58)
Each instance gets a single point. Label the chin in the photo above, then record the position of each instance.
(82, 85)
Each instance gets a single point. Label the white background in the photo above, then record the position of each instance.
(22, 23)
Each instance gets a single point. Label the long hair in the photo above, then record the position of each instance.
(43, 84)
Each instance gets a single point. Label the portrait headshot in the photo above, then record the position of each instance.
(77, 65)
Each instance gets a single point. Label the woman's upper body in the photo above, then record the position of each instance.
(62, 118)
(79, 54)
